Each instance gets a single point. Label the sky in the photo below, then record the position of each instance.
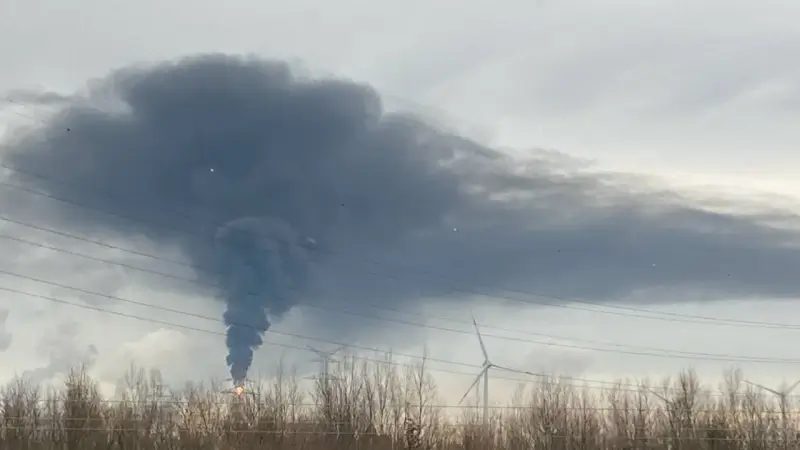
(655, 104)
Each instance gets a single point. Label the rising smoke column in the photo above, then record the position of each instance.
(260, 266)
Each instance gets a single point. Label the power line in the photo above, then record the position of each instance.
(726, 322)
(102, 260)
(638, 350)
(170, 401)
(642, 352)
(685, 354)
(212, 319)
(688, 355)
(632, 311)
(225, 430)
(202, 330)
(290, 346)
(703, 355)
(547, 378)
(703, 319)
(671, 317)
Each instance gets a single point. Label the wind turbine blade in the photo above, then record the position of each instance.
(772, 391)
(480, 339)
(664, 399)
(792, 387)
(314, 350)
(508, 369)
(474, 383)
(336, 350)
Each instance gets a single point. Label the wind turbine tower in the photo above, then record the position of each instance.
(487, 364)
(782, 398)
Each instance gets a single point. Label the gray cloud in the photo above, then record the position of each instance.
(31, 97)
(59, 346)
(322, 157)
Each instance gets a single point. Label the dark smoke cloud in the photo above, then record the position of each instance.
(245, 166)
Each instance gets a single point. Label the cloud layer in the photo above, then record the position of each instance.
(62, 351)
(397, 209)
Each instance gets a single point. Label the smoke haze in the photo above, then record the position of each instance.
(297, 189)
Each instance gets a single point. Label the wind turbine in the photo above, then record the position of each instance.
(324, 359)
(487, 364)
(782, 395)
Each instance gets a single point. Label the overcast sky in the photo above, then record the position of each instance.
(702, 96)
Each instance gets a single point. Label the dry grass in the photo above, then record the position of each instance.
(375, 406)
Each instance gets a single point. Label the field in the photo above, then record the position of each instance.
(376, 406)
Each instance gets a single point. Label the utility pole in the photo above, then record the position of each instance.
(324, 359)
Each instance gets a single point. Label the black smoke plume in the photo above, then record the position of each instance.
(244, 165)
(261, 264)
